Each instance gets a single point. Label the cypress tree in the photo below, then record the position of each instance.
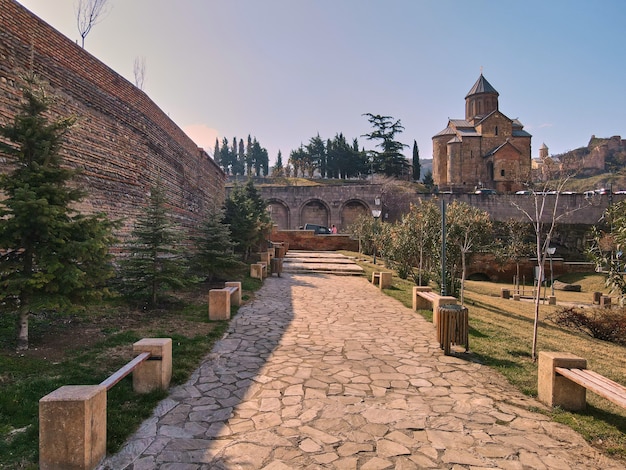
(417, 169)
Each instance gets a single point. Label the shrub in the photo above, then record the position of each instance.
(605, 324)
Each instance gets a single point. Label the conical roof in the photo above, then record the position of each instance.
(482, 86)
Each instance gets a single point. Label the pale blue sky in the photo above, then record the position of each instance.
(285, 70)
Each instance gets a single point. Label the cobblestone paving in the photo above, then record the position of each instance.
(326, 372)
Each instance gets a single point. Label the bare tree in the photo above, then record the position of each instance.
(88, 14)
(544, 214)
(139, 68)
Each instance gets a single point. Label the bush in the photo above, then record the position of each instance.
(605, 324)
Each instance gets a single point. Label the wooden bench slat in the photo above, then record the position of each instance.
(605, 380)
(124, 371)
(597, 383)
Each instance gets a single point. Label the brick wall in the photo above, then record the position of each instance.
(307, 240)
(122, 143)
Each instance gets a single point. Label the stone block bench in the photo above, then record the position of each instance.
(258, 271)
(220, 300)
(73, 418)
(382, 279)
(424, 299)
(563, 380)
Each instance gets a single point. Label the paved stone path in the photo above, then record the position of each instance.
(327, 372)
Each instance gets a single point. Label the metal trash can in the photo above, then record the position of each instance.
(453, 327)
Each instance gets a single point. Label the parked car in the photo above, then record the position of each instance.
(485, 191)
(318, 229)
(524, 192)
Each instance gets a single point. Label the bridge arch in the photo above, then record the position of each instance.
(351, 209)
(280, 213)
(314, 211)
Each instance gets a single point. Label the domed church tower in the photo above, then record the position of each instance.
(481, 100)
(486, 149)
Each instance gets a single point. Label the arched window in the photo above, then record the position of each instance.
(502, 172)
(496, 130)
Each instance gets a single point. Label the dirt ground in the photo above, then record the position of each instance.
(52, 337)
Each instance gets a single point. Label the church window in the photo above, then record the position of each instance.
(502, 172)
(496, 130)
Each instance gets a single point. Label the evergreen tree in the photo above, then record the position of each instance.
(216, 153)
(249, 157)
(390, 159)
(417, 169)
(226, 157)
(50, 255)
(155, 263)
(241, 158)
(214, 249)
(278, 169)
(316, 149)
(265, 161)
(246, 214)
(428, 180)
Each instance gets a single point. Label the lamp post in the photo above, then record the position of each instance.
(376, 214)
(551, 251)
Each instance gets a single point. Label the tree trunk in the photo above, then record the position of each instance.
(537, 300)
(22, 327)
(462, 278)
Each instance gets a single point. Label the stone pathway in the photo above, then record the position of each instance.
(327, 372)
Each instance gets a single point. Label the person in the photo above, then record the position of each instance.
(333, 229)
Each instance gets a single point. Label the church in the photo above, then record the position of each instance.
(485, 150)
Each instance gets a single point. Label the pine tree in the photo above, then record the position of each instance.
(214, 255)
(155, 263)
(50, 255)
(246, 214)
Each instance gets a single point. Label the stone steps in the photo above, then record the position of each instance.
(327, 262)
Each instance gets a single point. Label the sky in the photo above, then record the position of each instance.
(284, 71)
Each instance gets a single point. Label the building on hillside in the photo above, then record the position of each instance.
(485, 150)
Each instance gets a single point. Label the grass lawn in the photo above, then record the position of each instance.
(84, 349)
(501, 337)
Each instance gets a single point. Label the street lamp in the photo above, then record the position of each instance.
(376, 214)
(550, 250)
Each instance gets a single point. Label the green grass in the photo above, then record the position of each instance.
(26, 378)
(501, 338)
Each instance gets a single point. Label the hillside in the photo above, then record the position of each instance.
(602, 162)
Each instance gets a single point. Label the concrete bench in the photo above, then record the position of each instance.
(258, 271)
(563, 380)
(424, 299)
(220, 300)
(73, 418)
(382, 279)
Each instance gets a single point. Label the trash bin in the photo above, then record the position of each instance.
(453, 327)
(276, 265)
(506, 293)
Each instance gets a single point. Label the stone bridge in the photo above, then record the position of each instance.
(293, 206)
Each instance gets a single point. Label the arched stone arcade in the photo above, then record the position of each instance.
(280, 213)
(351, 210)
(315, 211)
